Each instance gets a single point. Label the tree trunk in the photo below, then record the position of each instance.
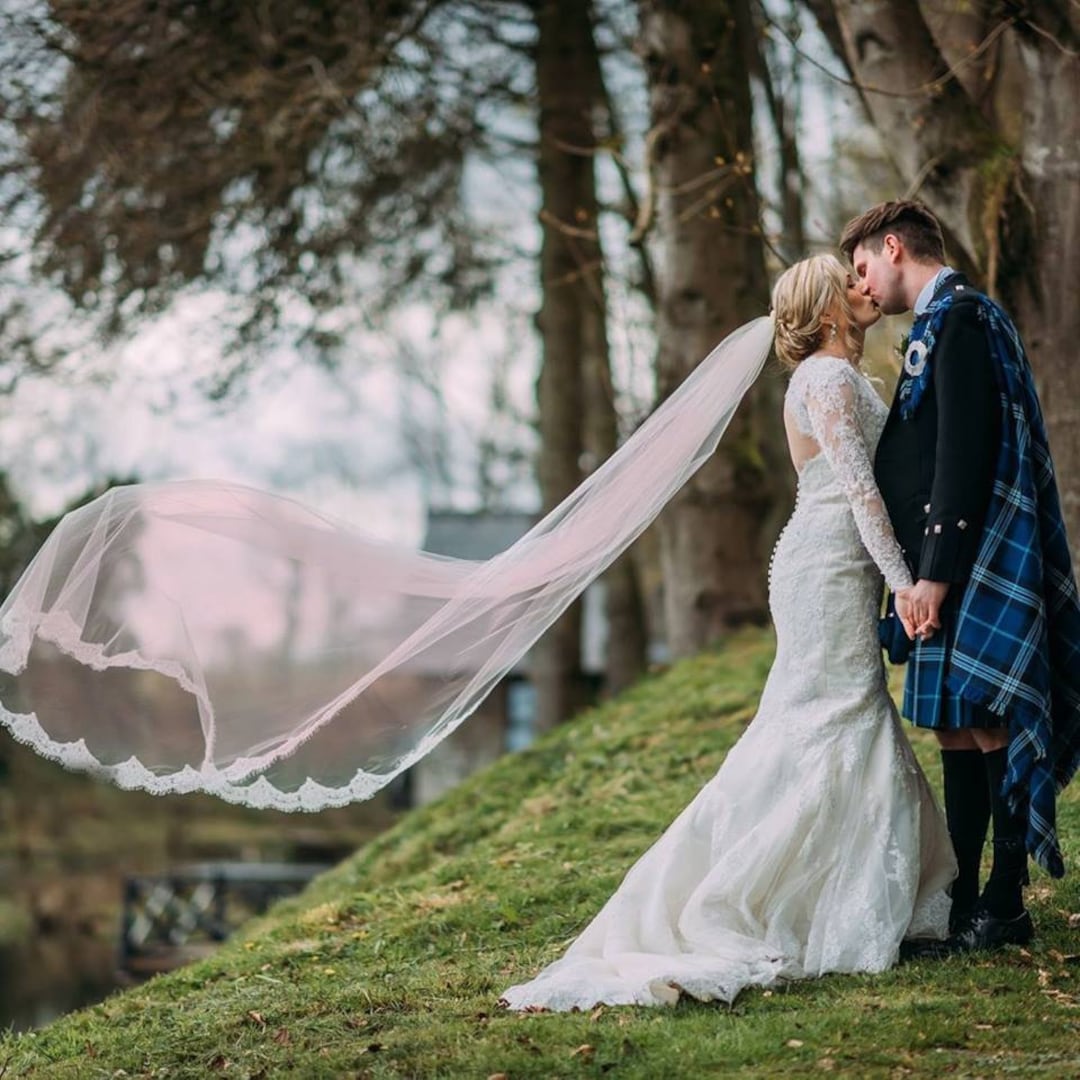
(711, 278)
(1039, 264)
(995, 152)
(568, 259)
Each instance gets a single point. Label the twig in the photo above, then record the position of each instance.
(632, 212)
(548, 218)
(572, 277)
(920, 177)
(710, 196)
(1050, 37)
(647, 209)
(700, 180)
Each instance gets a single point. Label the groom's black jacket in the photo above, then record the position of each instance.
(936, 470)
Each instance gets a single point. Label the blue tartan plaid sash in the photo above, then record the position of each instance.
(1017, 641)
(919, 355)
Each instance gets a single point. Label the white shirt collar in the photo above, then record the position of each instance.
(922, 301)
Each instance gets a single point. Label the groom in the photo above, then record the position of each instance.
(965, 473)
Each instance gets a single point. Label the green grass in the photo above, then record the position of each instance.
(392, 964)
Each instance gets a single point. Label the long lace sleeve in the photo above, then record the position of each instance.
(830, 407)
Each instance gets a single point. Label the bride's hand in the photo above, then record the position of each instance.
(902, 603)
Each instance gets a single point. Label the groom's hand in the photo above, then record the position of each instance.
(926, 598)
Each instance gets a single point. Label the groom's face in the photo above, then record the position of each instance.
(880, 277)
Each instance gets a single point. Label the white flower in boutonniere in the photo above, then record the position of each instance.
(915, 358)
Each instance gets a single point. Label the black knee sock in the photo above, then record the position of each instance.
(1003, 896)
(967, 811)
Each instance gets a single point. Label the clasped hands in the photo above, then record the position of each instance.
(919, 608)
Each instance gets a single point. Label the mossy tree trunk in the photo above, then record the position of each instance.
(576, 402)
(716, 533)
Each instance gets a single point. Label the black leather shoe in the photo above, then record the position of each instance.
(979, 932)
(959, 919)
(984, 932)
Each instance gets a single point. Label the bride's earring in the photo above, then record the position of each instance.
(832, 332)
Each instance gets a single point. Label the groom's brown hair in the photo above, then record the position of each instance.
(911, 221)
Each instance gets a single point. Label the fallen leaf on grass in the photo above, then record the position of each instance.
(1074, 921)
(498, 1076)
(794, 1043)
(438, 901)
(256, 1018)
(584, 1051)
(282, 1037)
(1060, 998)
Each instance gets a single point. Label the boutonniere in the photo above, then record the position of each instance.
(901, 347)
(915, 358)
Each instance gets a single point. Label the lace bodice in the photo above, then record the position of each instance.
(833, 403)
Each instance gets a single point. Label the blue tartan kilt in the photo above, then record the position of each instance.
(927, 703)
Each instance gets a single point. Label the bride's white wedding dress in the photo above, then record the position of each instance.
(818, 846)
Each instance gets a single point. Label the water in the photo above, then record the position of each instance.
(45, 976)
(62, 930)
(67, 843)
(59, 922)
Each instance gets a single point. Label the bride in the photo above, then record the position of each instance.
(817, 847)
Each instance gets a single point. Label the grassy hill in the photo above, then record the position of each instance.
(392, 964)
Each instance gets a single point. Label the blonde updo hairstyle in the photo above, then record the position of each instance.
(802, 296)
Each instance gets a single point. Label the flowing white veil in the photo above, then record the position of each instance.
(204, 636)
